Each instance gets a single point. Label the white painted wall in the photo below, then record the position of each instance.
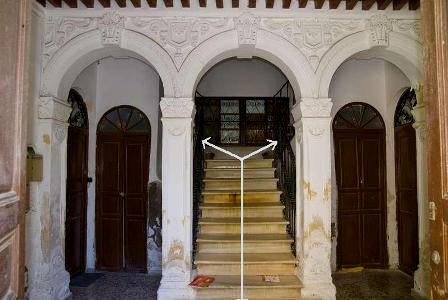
(108, 83)
(378, 83)
(234, 77)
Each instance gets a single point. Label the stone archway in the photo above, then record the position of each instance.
(84, 41)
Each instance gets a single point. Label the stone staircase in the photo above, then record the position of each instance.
(267, 245)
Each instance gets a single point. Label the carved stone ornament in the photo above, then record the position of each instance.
(60, 132)
(59, 30)
(177, 107)
(111, 25)
(317, 130)
(247, 25)
(53, 108)
(379, 27)
(178, 35)
(315, 107)
(313, 37)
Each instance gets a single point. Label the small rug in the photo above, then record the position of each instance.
(85, 279)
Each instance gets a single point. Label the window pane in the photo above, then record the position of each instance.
(113, 117)
(230, 136)
(255, 106)
(230, 107)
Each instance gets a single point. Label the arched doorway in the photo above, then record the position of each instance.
(76, 206)
(406, 182)
(123, 147)
(359, 135)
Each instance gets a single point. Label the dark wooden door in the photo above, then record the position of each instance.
(76, 207)
(122, 178)
(360, 175)
(407, 208)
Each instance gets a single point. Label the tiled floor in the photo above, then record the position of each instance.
(370, 284)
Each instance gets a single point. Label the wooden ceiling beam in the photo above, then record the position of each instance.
(286, 3)
(235, 3)
(202, 3)
(56, 3)
(302, 3)
(105, 3)
(185, 3)
(367, 4)
(121, 3)
(168, 3)
(318, 4)
(350, 4)
(136, 3)
(219, 4)
(399, 4)
(152, 3)
(88, 3)
(334, 4)
(383, 4)
(71, 3)
(414, 4)
(269, 3)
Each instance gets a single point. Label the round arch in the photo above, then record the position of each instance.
(83, 50)
(269, 47)
(403, 52)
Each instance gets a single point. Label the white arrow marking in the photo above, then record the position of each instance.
(272, 144)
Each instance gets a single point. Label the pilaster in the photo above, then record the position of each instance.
(177, 198)
(48, 278)
(312, 123)
(422, 275)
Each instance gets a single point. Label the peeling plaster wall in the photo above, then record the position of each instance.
(234, 77)
(376, 82)
(104, 85)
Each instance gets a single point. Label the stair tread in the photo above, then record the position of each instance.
(233, 281)
(213, 205)
(249, 258)
(247, 220)
(237, 192)
(220, 237)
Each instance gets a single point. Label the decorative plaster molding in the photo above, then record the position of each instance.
(379, 27)
(177, 107)
(111, 25)
(315, 107)
(247, 25)
(59, 134)
(317, 130)
(53, 108)
(60, 30)
(178, 35)
(408, 27)
(313, 37)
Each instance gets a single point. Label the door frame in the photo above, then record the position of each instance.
(120, 136)
(360, 132)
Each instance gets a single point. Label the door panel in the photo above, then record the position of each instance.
(407, 207)
(109, 203)
(76, 206)
(123, 170)
(360, 180)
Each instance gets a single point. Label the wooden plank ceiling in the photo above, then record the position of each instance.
(318, 4)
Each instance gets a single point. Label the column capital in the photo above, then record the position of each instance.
(312, 108)
(53, 108)
(419, 113)
(177, 107)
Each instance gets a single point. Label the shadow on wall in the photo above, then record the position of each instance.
(155, 227)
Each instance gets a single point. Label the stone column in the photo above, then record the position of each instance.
(313, 158)
(177, 198)
(45, 259)
(422, 275)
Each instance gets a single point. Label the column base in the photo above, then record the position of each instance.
(421, 288)
(175, 291)
(323, 291)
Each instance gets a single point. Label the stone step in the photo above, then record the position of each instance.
(251, 225)
(228, 288)
(234, 184)
(236, 173)
(233, 210)
(219, 196)
(253, 243)
(233, 163)
(254, 263)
